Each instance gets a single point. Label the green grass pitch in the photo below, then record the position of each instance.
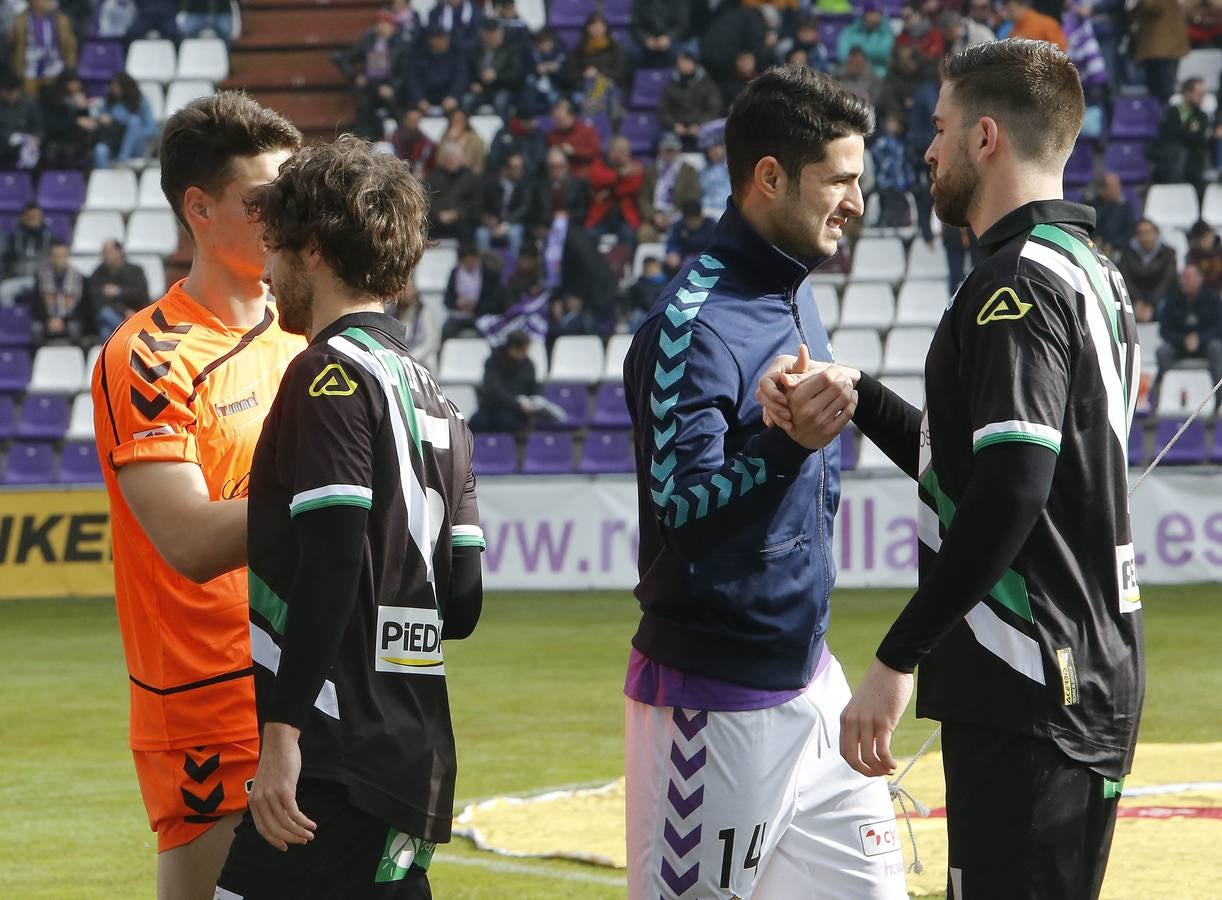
(537, 704)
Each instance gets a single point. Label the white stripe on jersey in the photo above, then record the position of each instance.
(466, 531)
(1035, 429)
(263, 650)
(331, 490)
(433, 430)
(929, 530)
(1020, 652)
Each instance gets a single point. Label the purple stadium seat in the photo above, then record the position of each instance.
(574, 399)
(1189, 450)
(1128, 160)
(849, 449)
(495, 454)
(1137, 444)
(569, 37)
(78, 464)
(16, 327)
(647, 87)
(61, 224)
(611, 407)
(618, 12)
(1080, 169)
(607, 451)
(8, 221)
(548, 454)
(15, 367)
(829, 34)
(602, 124)
(16, 190)
(8, 417)
(44, 417)
(100, 60)
(1215, 454)
(30, 463)
(1135, 118)
(569, 13)
(61, 191)
(641, 129)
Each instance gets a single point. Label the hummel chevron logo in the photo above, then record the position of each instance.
(761, 473)
(666, 380)
(687, 767)
(204, 805)
(748, 481)
(685, 806)
(150, 409)
(686, 296)
(663, 406)
(680, 316)
(681, 845)
(689, 728)
(662, 438)
(675, 347)
(679, 519)
(151, 374)
(662, 497)
(676, 882)
(660, 469)
(704, 282)
(709, 262)
(199, 772)
(155, 345)
(725, 488)
(701, 493)
(165, 327)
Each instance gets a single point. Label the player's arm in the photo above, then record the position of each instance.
(465, 599)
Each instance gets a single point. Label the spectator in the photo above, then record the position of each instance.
(460, 134)
(892, 175)
(412, 145)
(438, 73)
(548, 64)
(1190, 324)
(373, 65)
(69, 129)
(599, 97)
(407, 20)
(983, 12)
(521, 135)
(1205, 252)
(20, 124)
(1115, 220)
(615, 186)
(904, 76)
(669, 183)
(460, 21)
(125, 124)
(1028, 23)
(509, 386)
(473, 290)
(1160, 40)
(872, 33)
(690, 235)
(919, 33)
(961, 252)
(563, 192)
(1086, 53)
(527, 280)
(568, 316)
(643, 294)
(715, 176)
(206, 18)
(115, 290)
(420, 322)
(658, 29)
(746, 67)
(508, 204)
(597, 50)
(499, 71)
(116, 18)
(577, 140)
(26, 249)
(43, 45)
(573, 265)
(1181, 152)
(58, 310)
(157, 19)
(517, 32)
(689, 100)
(1148, 266)
(455, 201)
(809, 43)
(962, 31)
(857, 75)
(729, 30)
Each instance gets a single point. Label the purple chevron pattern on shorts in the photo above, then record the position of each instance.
(689, 728)
(685, 766)
(688, 756)
(679, 883)
(681, 845)
(684, 806)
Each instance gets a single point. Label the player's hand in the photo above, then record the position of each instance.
(771, 393)
(870, 718)
(821, 404)
(273, 796)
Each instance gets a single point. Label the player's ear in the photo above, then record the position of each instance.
(769, 177)
(196, 206)
(988, 136)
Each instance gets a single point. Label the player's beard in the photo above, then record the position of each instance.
(295, 299)
(957, 185)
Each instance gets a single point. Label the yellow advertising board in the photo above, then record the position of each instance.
(55, 543)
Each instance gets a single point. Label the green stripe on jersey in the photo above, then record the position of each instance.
(1088, 264)
(1112, 789)
(1025, 437)
(267, 602)
(468, 540)
(332, 500)
(398, 376)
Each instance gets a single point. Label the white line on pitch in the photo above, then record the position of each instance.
(510, 868)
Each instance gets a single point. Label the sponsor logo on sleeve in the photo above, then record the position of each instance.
(332, 381)
(408, 641)
(1126, 578)
(1069, 676)
(1003, 306)
(153, 432)
(878, 838)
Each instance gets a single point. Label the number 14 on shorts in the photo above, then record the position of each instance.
(752, 858)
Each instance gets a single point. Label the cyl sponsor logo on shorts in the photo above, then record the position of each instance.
(408, 641)
(878, 838)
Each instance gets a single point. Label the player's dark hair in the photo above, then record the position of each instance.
(1029, 87)
(365, 213)
(790, 113)
(200, 141)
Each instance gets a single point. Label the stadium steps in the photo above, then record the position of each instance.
(319, 114)
(302, 69)
(330, 27)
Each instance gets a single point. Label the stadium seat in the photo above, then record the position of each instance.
(150, 195)
(1148, 339)
(611, 407)
(905, 350)
(1128, 160)
(647, 87)
(30, 462)
(111, 189)
(829, 35)
(1177, 241)
(154, 93)
(180, 93)
(100, 60)
(152, 60)
(827, 301)
(618, 12)
(14, 369)
(87, 263)
(94, 227)
(1182, 391)
(695, 160)
(910, 388)
(433, 272)
(1137, 445)
(577, 358)
(921, 302)
(1200, 63)
(1135, 118)
(1189, 450)
(154, 272)
(537, 351)
(91, 361)
(44, 417)
(1172, 206)
(574, 399)
(495, 454)
(464, 397)
(607, 452)
(202, 59)
(152, 231)
(462, 360)
(569, 13)
(1211, 208)
(61, 191)
(641, 129)
(16, 191)
(434, 127)
(858, 347)
(532, 12)
(1080, 168)
(487, 127)
(928, 262)
(644, 252)
(16, 326)
(548, 454)
(80, 421)
(8, 417)
(878, 259)
(870, 458)
(58, 369)
(78, 464)
(1215, 450)
(613, 364)
(849, 439)
(867, 305)
(60, 225)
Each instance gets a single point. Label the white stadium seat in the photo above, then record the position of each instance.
(462, 360)
(434, 127)
(921, 302)
(577, 358)
(1177, 241)
(93, 227)
(486, 127)
(910, 388)
(91, 360)
(1203, 63)
(1148, 339)
(154, 93)
(828, 304)
(80, 423)
(180, 93)
(1181, 391)
(925, 261)
(154, 272)
(151, 60)
(152, 231)
(57, 370)
(617, 351)
(463, 396)
(858, 347)
(867, 305)
(204, 59)
(643, 252)
(878, 259)
(1211, 209)
(1172, 206)
(533, 13)
(111, 189)
(433, 271)
(150, 195)
(537, 351)
(905, 350)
